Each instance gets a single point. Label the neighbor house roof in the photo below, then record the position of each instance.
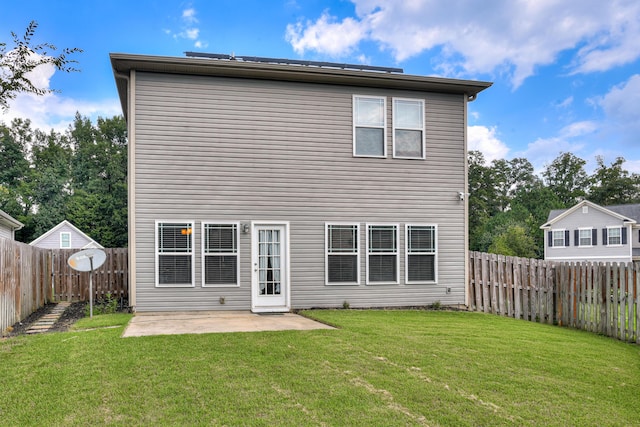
(628, 213)
(236, 67)
(92, 243)
(10, 221)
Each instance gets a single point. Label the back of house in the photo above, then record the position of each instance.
(271, 185)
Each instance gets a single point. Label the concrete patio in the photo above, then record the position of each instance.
(205, 322)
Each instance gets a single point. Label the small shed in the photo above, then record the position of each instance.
(65, 236)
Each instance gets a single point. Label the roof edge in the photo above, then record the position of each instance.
(123, 63)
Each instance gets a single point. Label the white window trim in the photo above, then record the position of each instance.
(192, 253)
(553, 240)
(65, 233)
(384, 127)
(236, 253)
(590, 245)
(406, 255)
(396, 253)
(326, 254)
(615, 245)
(421, 101)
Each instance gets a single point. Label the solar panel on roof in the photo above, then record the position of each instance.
(294, 62)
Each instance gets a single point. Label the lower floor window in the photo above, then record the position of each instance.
(174, 253)
(342, 253)
(382, 254)
(220, 254)
(421, 253)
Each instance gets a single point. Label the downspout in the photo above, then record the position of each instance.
(131, 250)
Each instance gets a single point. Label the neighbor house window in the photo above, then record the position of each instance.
(420, 258)
(559, 238)
(369, 126)
(613, 236)
(174, 253)
(408, 128)
(382, 254)
(220, 254)
(585, 237)
(342, 254)
(65, 240)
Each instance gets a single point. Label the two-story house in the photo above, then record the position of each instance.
(272, 185)
(588, 232)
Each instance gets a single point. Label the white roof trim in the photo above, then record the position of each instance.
(569, 211)
(10, 221)
(92, 243)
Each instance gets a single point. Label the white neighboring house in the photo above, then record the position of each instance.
(8, 226)
(65, 236)
(588, 232)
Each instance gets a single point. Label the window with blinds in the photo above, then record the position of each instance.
(174, 254)
(382, 254)
(220, 254)
(369, 126)
(420, 261)
(342, 254)
(408, 128)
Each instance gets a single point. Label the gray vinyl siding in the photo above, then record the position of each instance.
(238, 150)
(5, 232)
(600, 252)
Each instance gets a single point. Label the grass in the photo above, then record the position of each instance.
(381, 368)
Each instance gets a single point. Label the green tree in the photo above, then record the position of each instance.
(24, 57)
(514, 241)
(566, 177)
(612, 185)
(51, 180)
(99, 178)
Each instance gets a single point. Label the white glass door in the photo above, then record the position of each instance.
(270, 267)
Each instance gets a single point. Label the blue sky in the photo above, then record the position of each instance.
(566, 73)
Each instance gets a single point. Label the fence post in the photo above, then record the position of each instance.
(477, 266)
(637, 294)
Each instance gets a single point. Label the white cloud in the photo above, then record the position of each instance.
(510, 37)
(189, 30)
(569, 139)
(53, 111)
(621, 103)
(189, 15)
(484, 139)
(325, 35)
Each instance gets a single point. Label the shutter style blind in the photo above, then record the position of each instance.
(175, 252)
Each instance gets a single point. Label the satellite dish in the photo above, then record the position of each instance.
(88, 260)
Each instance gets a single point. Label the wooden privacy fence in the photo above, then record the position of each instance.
(597, 297)
(112, 277)
(25, 281)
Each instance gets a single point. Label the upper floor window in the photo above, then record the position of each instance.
(65, 240)
(369, 126)
(220, 254)
(174, 253)
(342, 255)
(408, 128)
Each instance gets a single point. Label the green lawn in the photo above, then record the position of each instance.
(381, 368)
